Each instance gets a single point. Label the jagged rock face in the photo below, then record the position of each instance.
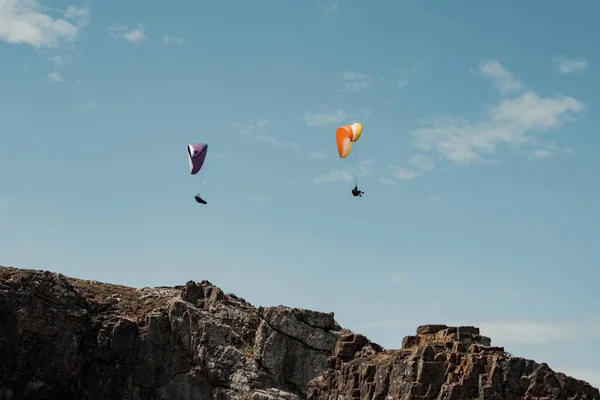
(443, 363)
(63, 338)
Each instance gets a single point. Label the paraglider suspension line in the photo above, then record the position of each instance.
(355, 170)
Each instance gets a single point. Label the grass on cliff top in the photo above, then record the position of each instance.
(7, 273)
(129, 299)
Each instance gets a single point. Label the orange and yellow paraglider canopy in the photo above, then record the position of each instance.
(346, 135)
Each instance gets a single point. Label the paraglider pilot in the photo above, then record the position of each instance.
(356, 192)
(199, 199)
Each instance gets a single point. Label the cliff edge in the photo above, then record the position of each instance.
(66, 338)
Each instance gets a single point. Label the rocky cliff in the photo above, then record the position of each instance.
(65, 338)
(440, 362)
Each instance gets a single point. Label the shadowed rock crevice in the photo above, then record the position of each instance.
(65, 338)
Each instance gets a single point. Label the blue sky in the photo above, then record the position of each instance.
(478, 158)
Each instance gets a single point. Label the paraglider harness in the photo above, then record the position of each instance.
(356, 192)
(199, 199)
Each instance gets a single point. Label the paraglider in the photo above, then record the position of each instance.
(356, 192)
(196, 157)
(345, 137)
(199, 199)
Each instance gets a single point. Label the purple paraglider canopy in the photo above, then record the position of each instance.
(196, 156)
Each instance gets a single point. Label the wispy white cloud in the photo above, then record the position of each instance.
(59, 61)
(364, 168)
(568, 66)
(261, 130)
(356, 81)
(27, 22)
(254, 129)
(518, 121)
(167, 39)
(400, 278)
(402, 173)
(324, 118)
(54, 77)
(423, 162)
(402, 83)
(335, 175)
(338, 117)
(542, 153)
(549, 150)
(315, 155)
(132, 35)
(436, 198)
(387, 181)
(333, 7)
(81, 16)
(136, 34)
(503, 79)
(261, 199)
